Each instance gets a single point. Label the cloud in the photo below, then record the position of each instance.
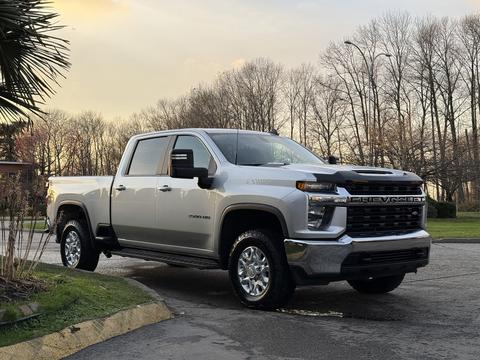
(474, 3)
(203, 69)
(89, 10)
(238, 63)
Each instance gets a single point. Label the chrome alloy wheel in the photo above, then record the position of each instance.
(253, 271)
(72, 248)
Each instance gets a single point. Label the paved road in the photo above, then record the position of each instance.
(433, 315)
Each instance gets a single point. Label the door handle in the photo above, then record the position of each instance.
(165, 188)
(120, 188)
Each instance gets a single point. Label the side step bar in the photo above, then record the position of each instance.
(175, 259)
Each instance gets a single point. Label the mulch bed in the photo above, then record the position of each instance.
(20, 289)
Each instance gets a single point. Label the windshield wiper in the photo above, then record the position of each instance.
(276, 164)
(272, 164)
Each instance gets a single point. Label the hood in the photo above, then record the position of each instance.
(341, 174)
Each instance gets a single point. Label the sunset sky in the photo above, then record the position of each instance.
(127, 54)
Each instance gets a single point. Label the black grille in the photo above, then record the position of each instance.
(377, 188)
(385, 257)
(364, 221)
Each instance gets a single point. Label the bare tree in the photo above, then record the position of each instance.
(328, 114)
(403, 92)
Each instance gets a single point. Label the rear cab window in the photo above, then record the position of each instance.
(149, 157)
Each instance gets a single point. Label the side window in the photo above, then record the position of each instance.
(149, 156)
(201, 156)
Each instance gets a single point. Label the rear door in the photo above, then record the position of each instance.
(134, 193)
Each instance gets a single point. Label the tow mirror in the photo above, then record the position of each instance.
(332, 160)
(181, 165)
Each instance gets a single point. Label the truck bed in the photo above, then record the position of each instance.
(92, 191)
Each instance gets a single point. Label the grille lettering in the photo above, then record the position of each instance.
(387, 199)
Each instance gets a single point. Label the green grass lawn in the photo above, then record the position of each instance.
(39, 225)
(72, 297)
(466, 225)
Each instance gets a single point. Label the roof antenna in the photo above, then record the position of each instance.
(236, 149)
(274, 132)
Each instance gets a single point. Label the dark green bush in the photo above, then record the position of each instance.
(446, 210)
(432, 212)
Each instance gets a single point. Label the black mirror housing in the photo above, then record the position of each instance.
(181, 165)
(181, 158)
(332, 160)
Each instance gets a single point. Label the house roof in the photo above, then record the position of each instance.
(19, 163)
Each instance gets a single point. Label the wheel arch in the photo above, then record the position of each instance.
(73, 210)
(240, 217)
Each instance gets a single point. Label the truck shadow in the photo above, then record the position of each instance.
(212, 288)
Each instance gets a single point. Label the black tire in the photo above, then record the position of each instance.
(280, 286)
(379, 285)
(89, 256)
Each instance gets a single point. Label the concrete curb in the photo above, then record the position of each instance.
(77, 337)
(457, 241)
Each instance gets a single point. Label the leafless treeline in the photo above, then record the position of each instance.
(411, 101)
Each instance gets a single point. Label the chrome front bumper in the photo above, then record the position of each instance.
(323, 259)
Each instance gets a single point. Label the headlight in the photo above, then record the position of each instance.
(319, 213)
(311, 186)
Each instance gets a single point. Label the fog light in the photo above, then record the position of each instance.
(316, 214)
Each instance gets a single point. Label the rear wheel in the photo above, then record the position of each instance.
(259, 270)
(379, 285)
(76, 248)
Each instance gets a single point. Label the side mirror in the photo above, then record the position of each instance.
(181, 165)
(332, 160)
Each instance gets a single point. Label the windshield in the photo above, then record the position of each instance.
(262, 150)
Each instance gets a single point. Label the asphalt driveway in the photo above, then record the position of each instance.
(435, 314)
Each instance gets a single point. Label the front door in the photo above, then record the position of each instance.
(185, 212)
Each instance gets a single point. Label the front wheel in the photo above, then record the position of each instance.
(76, 249)
(259, 270)
(379, 285)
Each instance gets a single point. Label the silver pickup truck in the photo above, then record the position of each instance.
(256, 204)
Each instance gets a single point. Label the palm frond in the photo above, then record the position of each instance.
(31, 59)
